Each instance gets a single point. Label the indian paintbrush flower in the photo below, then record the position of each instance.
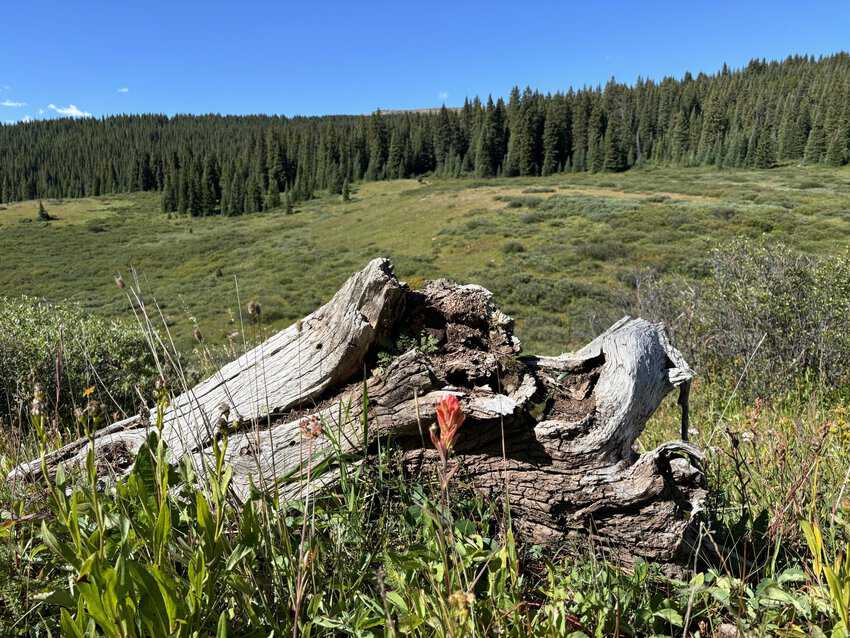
(450, 417)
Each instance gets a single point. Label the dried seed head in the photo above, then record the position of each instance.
(119, 281)
(311, 427)
(254, 310)
(38, 404)
(197, 334)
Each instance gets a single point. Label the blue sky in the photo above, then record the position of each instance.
(78, 58)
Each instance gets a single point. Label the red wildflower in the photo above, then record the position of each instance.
(450, 417)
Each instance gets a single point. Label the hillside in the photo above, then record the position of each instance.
(767, 112)
(562, 252)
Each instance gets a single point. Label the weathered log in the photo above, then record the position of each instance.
(555, 435)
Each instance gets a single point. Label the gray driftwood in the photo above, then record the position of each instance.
(554, 434)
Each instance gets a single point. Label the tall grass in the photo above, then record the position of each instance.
(167, 548)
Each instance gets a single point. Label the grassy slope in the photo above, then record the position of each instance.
(561, 261)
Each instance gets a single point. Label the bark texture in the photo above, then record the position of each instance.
(556, 434)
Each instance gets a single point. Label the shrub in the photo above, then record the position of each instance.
(526, 201)
(512, 246)
(43, 215)
(602, 250)
(783, 311)
(532, 217)
(724, 212)
(65, 349)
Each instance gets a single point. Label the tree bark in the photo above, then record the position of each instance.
(555, 435)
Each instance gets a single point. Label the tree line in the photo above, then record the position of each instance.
(796, 110)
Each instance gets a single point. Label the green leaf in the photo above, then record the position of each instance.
(239, 552)
(58, 597)
(60, 549)
(397, 601)
(221, 632)
(792, 575)
(670, 615)
(69, 626)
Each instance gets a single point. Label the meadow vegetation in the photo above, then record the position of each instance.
(564, 262)
(749, 269)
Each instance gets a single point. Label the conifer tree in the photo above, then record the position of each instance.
(183, 191)
(169, 195)
(816, 144)
(272, 195)
(553, 135)
(836, 152)
(395, 160)
(765, 155)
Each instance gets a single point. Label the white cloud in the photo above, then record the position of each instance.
(41, 111)
(10, 103)
(443, 96)
(26, 118)
(123, 89)
(69, 111)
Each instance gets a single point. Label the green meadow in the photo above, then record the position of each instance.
(565, 255)
(562, 254)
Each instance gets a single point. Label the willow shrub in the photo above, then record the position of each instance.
(765, 313)
(65, 349)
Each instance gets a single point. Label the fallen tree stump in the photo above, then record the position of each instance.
(555, 434)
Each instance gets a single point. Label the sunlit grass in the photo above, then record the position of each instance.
(581, 244)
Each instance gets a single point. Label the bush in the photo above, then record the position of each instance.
(65, 349)
(512, 246)
(786, 311)
(526, 201)
(602, 250)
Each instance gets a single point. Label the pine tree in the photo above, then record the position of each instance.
(614, 152)
(595, 142)
(254, 195)
(274, 160)
(395, 160)
(237, 195)
(195, 200)
(765, 152)
(210, 193)
(169, 195)
(679, 138)
(836, 152)
(377, 140)
(183, 190)
(816, 144)
(553, 135)
(272, 195)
